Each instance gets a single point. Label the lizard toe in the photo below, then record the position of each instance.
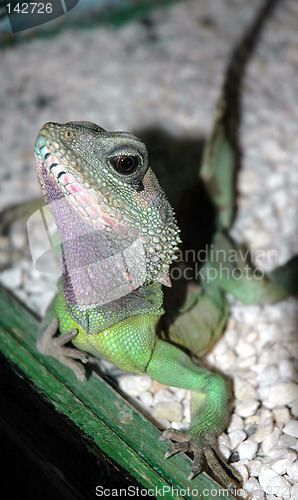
(52, 345)
(203, 451)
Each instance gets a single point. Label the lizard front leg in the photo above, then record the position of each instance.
(209, 407)
(51, 344)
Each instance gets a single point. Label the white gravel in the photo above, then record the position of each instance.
(169, 76)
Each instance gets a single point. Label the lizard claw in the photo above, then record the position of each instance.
(184, 443)
(176, 448)
(51, 345)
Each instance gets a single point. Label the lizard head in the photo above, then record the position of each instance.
(106, 179)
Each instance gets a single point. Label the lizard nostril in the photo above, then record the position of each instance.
(69, 134)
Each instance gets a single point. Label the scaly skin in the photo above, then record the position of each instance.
(119, 236)
(77, 165)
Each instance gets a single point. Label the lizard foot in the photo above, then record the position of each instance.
(51, 345)
(206, 452)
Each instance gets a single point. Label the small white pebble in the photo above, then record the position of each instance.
(248, 182)
(244, 349)
(186, 408)
(254, 467)
(23, 264)
(146, 398)
(12, 278)
(247, 407)
(292, 470)
(225, 451)
(247, 449)
(35, 286)
(269, 356)
(243, 390)
(265, 427)
(286, 370)
(33, 302)
(18, 235)
(252, 337)
(273, 484)
(271, 441)
(280, 466)
(179, 393)
(286, 441)
(180, 426)
(281, 395)
(226, 359)
(291, 428)
(163, 395)
(171, 410)
(248, 362)
(224, 445)
(236, 437)
(274, 181)
(23, 297)
(242, 469)
(253, 420)
(258, 237)
(47, 298)
(253, 486)
(281, 453)
(135, 384)
(282, 416)
(251, 315)
(231, 337)
(270, 333)
(236, 423)
(224, 439)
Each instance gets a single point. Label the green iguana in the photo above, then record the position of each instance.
(119, 236)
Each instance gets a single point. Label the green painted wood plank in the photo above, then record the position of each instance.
(66, 402)
(94, 406)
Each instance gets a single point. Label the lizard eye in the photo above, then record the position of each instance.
(126, 165)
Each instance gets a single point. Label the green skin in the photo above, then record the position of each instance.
(133, 342)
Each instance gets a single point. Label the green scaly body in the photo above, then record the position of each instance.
(126, 329)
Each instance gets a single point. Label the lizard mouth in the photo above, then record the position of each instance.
(85, 199)
(76, 189)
